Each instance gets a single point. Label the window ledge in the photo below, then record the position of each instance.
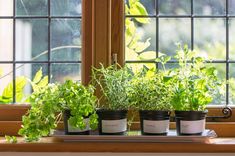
(50, 144)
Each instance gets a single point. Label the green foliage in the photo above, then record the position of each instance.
(136, 47)
(151, 90)
(196, 82)
(10, 139)
(114, 84)
(7, 95)
(80, 101)
(20, 82)
(48, 104)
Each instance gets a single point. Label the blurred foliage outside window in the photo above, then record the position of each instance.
(155, 29)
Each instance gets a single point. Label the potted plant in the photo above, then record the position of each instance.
(112, 110)
(151, 93)
(195, 86)
(49, 103)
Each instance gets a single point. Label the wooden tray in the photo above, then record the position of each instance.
(135, 136)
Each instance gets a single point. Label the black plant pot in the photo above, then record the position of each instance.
(190, 122)
(75, 131)
(154, 122)
(112, 122)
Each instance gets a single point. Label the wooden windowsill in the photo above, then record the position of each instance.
(50, 144)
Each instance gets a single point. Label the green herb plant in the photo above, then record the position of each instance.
(48, 104)
(114, 85)
(151, 89)
(196, 81)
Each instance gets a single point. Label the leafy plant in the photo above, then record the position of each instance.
(114, 84)
(136, 46)
(196, 82)
(38, 82)
(48, 104)
(152, 90)
(11, 139)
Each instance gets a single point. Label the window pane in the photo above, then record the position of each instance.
(29, 71)
(140, 39)
(6, 39)
(61, 72)
(169, 37)
(31, 7)
(136, 67)
(210, 38)
(231, 4)
(209, 7)
(221, 69)
(149, 6)
(5, 79)
(232, 84)
(232, 39)
(175, 7)
(6, 7)
(66, 40)
(66, 7)
(31, 39)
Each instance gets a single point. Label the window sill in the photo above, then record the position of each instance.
(50, 144)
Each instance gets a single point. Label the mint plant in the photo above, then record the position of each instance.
(48, 104)
(196, 81)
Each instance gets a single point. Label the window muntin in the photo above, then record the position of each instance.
(42, 34)
(206, 26)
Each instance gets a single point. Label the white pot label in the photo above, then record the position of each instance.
(114, 126)
(190, 127)
(74, 129)
(151, 126)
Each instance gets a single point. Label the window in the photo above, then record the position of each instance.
(34, 35)
(153, 27)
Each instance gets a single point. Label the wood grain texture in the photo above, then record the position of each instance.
(55, 145)
(101, 31)
(117, 27)
(87, 41)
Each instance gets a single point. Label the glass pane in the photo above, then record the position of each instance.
(66, 7)
(6, 7)
(232, 39)
(66, 40)
(209, 7)
(231, 4)
(135, 8)
(6, 39)
(210, 38)
(169, 37)
(29, 71)
(220, 99)
(31, 7)
(61, 72)
(232, 84)
(31, 39)
(140, 39)
(6, 78)
(174, 7)
(136, 67)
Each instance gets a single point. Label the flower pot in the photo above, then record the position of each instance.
(69, 130)
(190, 122)
(112, 122)
(154, 122)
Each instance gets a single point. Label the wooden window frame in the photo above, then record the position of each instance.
(103, 35)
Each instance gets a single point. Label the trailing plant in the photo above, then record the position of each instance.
(114, 84)
(196, 81)
(48, 104)
(151, 89)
